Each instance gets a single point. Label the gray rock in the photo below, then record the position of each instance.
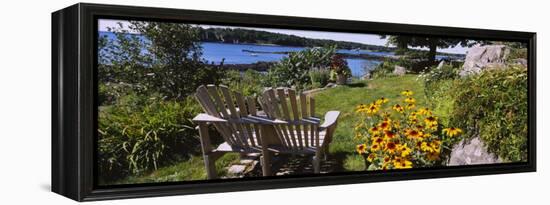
(399, 71)
(521, 61)
(331, 85)
(236, 169)
(472, 152)
(366, 76)
(480, 58)
(440, 65)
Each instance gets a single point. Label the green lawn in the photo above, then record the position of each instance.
(192, 169)
(346, 98)
(342, 98)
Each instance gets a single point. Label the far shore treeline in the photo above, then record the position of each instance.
(248, 36)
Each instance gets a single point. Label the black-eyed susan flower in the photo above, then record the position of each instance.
(410, 100)
(424, 111)
(374, 130)
(452, 131)
(436, 145)
(430, 121)
(361, 148)
(382, 100)
(398, 108)
(384, 125)
(413, 133)
(410, 106)
(389, 134)
(432, 156)
(391, 147)
(377, 140)
(425, 147)
(371, 157)
(412, 116)
(375, 147)
(404, 150)
(386, 159)
(372, 109)
(403, 164)
(407, 93)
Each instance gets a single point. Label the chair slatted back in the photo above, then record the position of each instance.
(284, 104)
(221, 102)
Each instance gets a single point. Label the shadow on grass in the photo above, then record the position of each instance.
(296, 165)
(357, 85)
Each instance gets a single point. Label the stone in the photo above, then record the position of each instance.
(480, 58)
(472, 152)
(331, 85)
(399, 70)
(236, 169)
(366, 76)
(440, 65)
(520, 61)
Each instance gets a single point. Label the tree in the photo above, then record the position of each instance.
(431, 43)
(163, 58)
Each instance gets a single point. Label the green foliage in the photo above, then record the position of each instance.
(141, 133)
(384, 69)
(165, 58)
(493, 105)
(434, 76)
(294, 69)
(239, 35)
(248, 83)
(516, 53)
(319, 77)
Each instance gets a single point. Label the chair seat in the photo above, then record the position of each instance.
(307, 149)
(310, 148)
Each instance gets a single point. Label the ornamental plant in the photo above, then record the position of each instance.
(398, 135)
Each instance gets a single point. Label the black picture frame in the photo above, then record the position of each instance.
(74, 93)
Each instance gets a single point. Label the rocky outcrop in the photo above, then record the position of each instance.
(470, 152)
(399, 71)
(484, 57)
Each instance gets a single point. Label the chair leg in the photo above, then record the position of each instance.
(325, 153)
(265, 161)
(210, 165)
(316, 164)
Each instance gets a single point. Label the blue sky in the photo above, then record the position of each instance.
(339, 36)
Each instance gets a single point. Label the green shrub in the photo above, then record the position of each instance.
(516, 53)
(493, 105)
(293, 71)
(384, 69)
(319, 77)
(248, 83)
(141, 133)
(434, 76)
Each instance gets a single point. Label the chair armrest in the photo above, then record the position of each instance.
(330, 119)
(203, 117)
(261, 120)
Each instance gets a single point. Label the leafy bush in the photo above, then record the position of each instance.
(248, 83)
(141, 133)
(434, 76)
(293, 71)
(319, 77)
(165, 58)
(339, 66)
(516, 53)
(384, 69)
(493, 105)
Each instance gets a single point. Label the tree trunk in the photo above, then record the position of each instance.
(432, 52)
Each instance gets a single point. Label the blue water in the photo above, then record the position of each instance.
(234, 54)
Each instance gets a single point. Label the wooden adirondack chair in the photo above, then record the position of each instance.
(234, 117)
(296, 127)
